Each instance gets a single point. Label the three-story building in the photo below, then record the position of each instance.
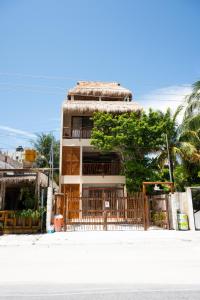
(84, 171)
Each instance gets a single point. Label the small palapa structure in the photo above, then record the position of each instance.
(20, 192)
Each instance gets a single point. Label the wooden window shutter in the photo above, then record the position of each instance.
(70, 161)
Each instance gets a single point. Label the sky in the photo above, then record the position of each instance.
(151, 47)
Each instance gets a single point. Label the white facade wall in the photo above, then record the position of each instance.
(75, 179)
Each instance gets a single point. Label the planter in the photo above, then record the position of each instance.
(1, 228)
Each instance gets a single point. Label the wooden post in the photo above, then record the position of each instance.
(172, 187)
(36, 191)
(147, 211)
(2, 195)
(64, 209)
(145, 208)
(105, 216)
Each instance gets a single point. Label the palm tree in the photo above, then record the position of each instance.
(43, 145)
(181, 146)
(190, 128)
(193, 101)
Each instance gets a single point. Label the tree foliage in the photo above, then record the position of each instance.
(190, 134)
(193, 101)
(140, 138)
(137, 136)
(43, 146)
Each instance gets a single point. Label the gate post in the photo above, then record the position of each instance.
(105, 215)
(146, 211)
(126, 208)
(145, 208)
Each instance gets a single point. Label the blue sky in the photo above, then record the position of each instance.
(150, 46)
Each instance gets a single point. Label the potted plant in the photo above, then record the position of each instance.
(159, 218)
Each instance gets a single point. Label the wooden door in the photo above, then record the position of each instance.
(72, 192)
(70, 161)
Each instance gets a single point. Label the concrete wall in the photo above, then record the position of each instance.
(181, 201)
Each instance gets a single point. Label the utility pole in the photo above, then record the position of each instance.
(50, 191)
(169, 160)
(52, 163)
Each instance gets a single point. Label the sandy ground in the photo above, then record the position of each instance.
(130, 257)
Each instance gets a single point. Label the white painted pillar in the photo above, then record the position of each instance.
(173, 207)
(125, 191)
(190, 208)
(49, 207)
(61, 145)
(81, 160)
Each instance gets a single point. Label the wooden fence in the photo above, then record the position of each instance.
(117, 213)
(11, 222)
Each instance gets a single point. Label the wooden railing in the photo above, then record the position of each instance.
(77, 133)
(11, 222)
(101, 169)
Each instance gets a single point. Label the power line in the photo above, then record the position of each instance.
(34, 90)
(32, 86)
(38, 76)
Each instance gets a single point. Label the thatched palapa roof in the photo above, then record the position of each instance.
(100, 89)
(90, 96)
(18, 179)
(25, 179)
(106, 106)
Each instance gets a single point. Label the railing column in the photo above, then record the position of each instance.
(105, 219)
(126, 208)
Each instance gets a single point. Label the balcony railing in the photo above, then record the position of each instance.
(77, 133)
(101, 169)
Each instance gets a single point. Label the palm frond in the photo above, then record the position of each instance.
(177, 112)
(192, 123)
(188, 151)
(196, 86)
(162, 158)
(192, 107)
(193, 100)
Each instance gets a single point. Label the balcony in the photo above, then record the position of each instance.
(101, 168)
(77, 133)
